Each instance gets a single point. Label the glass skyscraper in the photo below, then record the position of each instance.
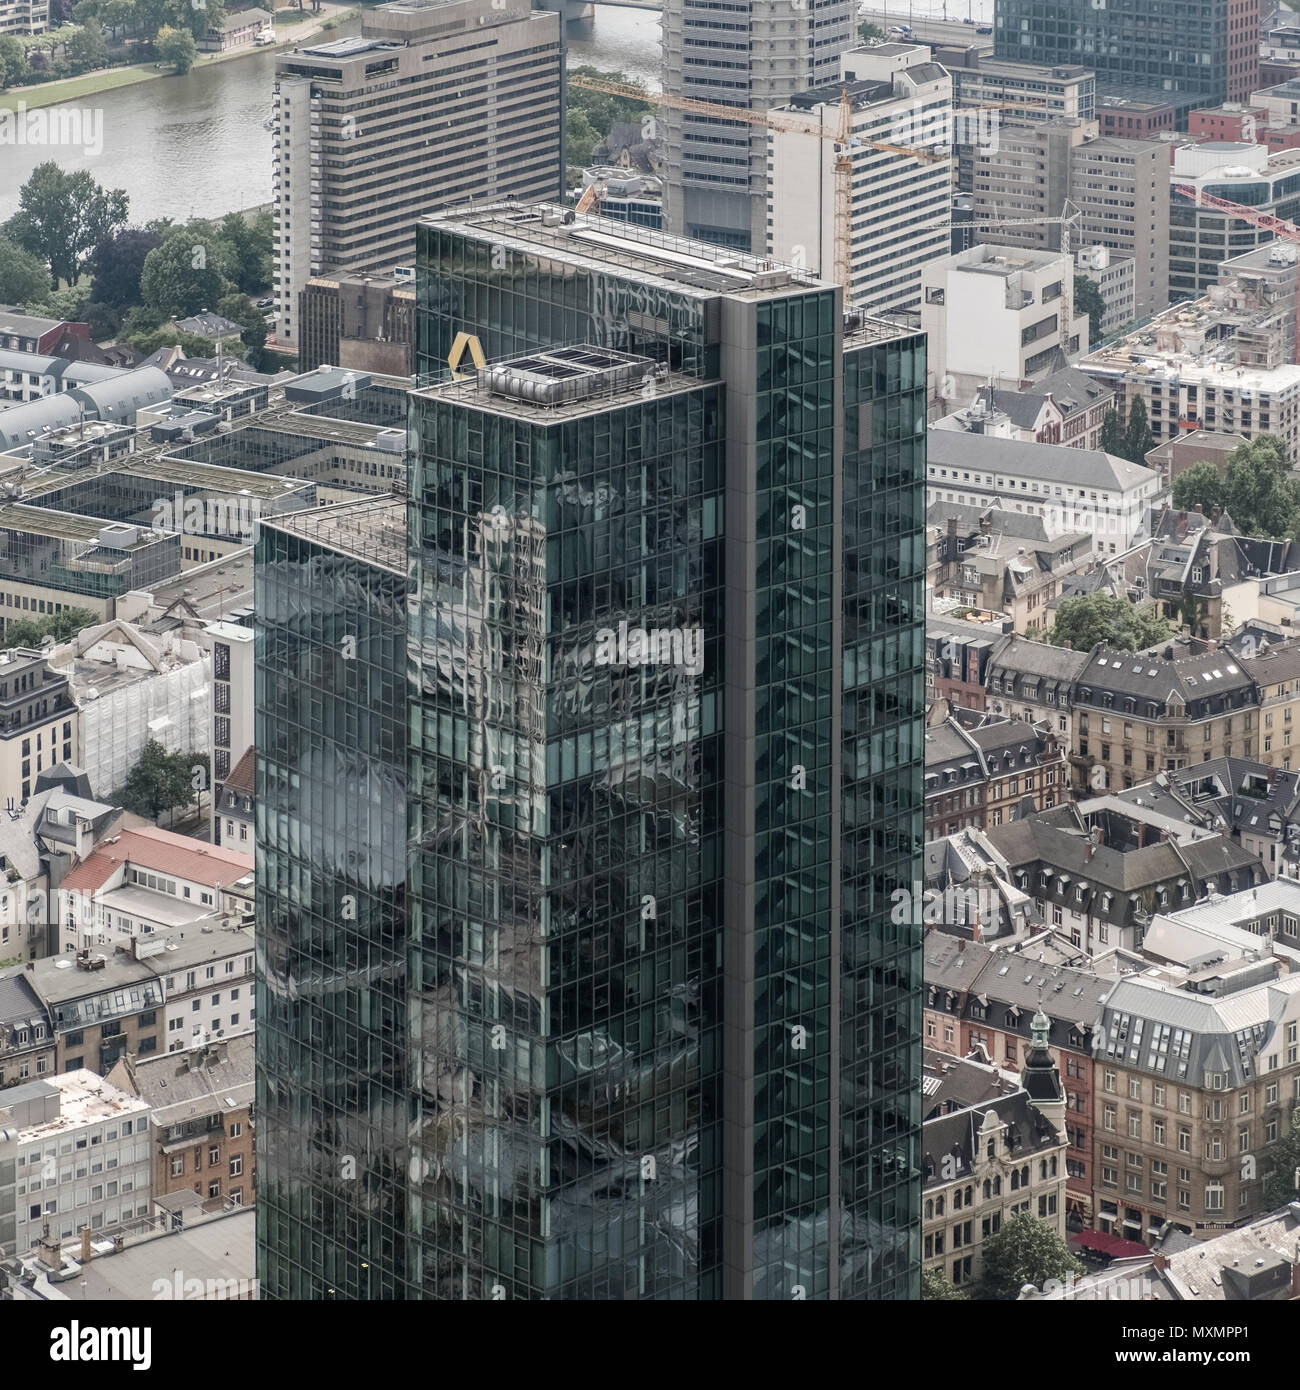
(762, 475)
(663, 775)
(333, 1066)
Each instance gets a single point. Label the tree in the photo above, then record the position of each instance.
(1088, 300)
(1112, 438)
(1201, 483)
(117, 264)
(580, 138)
(177, 47)
(160, 781)
(117, 14)
(1281, 1161)
(1256, 489)
(868, 31)
(1025, 1251)
(1138, 439)
(147, 341)
(23, 279)
(192, 270)
(87, 49)
(603, 111)
(194, 16)
(1093, 618)
(13, 62)
(933, 1285)
(62, 217)
(68, 302)
(32, 632)
(251, 242)
(238, 308)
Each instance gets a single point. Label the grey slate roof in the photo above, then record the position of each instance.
(1071, 389)
(1202, 1032)
(958, 1133)
(18, 1002)
(1079, 467)
(1052, 666)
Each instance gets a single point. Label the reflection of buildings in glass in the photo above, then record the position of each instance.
(628, 1117)
(539, 1097)
(662, 1037)
(332, 1089)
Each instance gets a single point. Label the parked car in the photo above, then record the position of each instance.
(265, 303)
(984, 29)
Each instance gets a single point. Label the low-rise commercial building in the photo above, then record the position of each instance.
(81, 1158)
(1072, 490)
(201, 1103)
(994, 311)
(1196, 1079)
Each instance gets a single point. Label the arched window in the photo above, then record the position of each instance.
(956, 1199)
(970, 1195)
(1024, 1176)
(988, 1189)
(1015, 1179)
(997, 1187)
(1053, 1168)
(938, 1206)
(929, 1209)
(1042, 1169)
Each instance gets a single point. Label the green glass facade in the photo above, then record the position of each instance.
(563, 892)
(820, 748)
(1171, 45)
(883, 762)
(333, 1089)
(658, 1036)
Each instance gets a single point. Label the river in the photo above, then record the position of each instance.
(194, 146)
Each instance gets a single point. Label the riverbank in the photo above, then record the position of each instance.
(106, 79)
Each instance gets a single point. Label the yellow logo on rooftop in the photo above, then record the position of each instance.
(463, 341)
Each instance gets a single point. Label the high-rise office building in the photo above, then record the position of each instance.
(901, 205)
(333, 1061)
(751, 53)
(1119, 189)
(437, 102)
(1210, 47)
(645, 1021)
(668, 1028)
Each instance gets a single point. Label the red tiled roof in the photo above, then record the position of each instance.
(1109, 1245)
(163, 851)
(241, 775)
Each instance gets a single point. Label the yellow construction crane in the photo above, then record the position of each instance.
(592, 198)
(844, 139)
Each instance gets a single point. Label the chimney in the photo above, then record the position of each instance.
(961, 944)
(976, 932)
(87, 1254)
(49, 1250)
(1160, 1262)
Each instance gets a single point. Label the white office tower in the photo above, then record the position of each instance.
(751, 53)
(436, 103)
(900, 205)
